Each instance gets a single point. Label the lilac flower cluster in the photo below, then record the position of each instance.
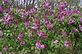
(67, 44)
(1, 8)
(6, 1)
(41, 34)
(44, 27)
(39, 45)
(20, 37)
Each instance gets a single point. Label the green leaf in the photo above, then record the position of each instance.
(51, 17)
(1, 14)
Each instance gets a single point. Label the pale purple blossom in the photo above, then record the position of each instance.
(22, 43)
(67, 44)
(5, 49)
(48, 25)
(45, 4)
(6, 1)
(36, 24)
(31, 36)
(39, 45)
(62, 6)
(27, 23)
(56, 42)
(80, 20)
(81, 28)
(7, 19)
(1, 8)
(20, 35)
(75, 30)
(71, 21)
(10, 10)
(77, 11)
(41, 34)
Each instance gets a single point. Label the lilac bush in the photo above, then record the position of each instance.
(48, 29)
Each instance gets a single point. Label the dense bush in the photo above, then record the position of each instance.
(48, 29)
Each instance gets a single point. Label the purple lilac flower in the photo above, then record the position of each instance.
(39, 45)
(5, 1)
(51, 7)
(19, 36)
(62, 15)
(41, 34)
(67, 44)
(45, 4)
(80, 20)
(77, 11)
(61, 6)
(34, 27)
(80, 28)
(36, 24)
(5, 49)
(75, 30)
(10, 10)
(56, 42)
(71, 21)
(48, 26)
(8, 20)
(60, 19)
(31, 36)
(22, 43)
(68, 13)
(31, 11)
(1, 8)
(27, 23)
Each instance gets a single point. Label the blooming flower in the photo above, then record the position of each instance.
(36, 24)
(56, 42)
(19, 36)
(75, 30)
(62, 6)
(27, 23)
(10, 10)
(71, 21)
(31, 11)
(1, 8)
(5, 49)
(31, 36)
(22, 43)
(7, 19)
(48, 25)
(5, 1)
(67, 44)
(77, 11)
(45, 4)
(41, 34)
(60, 19)
(80, 28)
(80, 20)
(39, 45)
